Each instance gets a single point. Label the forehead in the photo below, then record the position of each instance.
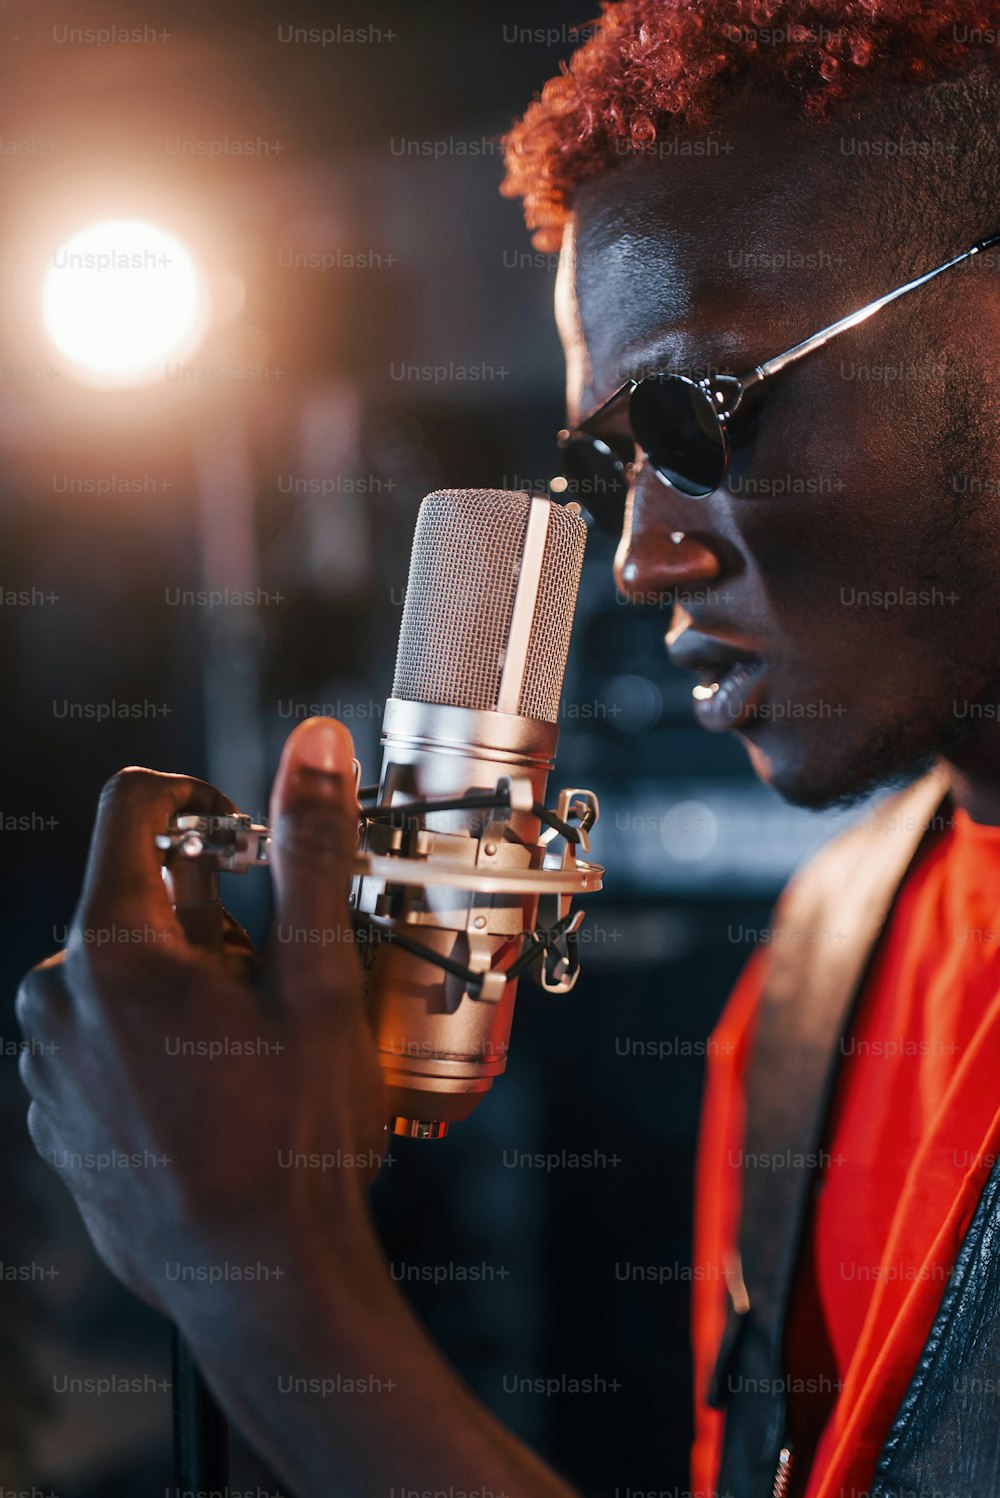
(721, 257)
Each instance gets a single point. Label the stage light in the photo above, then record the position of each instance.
(121, 300)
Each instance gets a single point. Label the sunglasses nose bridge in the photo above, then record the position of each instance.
(681, 428)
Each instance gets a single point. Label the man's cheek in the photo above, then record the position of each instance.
(822, 512)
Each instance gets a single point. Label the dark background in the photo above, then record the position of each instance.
(695, 848)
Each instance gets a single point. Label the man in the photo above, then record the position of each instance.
(724, 182)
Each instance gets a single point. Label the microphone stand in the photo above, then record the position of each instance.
(201, 1435)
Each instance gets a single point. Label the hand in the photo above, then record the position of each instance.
(202, 1107)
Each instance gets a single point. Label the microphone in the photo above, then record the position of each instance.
(475, 704)
(464, 879)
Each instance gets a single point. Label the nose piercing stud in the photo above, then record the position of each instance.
(677, 537)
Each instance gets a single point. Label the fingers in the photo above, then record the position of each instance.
(124, 898)
(234, 936)
(42, 1134)
(43, 1008)
(314, 838)
(240, 955)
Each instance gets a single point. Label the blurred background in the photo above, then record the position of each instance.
(197, 556)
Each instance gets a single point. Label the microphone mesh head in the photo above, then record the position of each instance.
(464, 571)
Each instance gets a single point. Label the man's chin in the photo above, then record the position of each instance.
(838, 763)
(826, 776)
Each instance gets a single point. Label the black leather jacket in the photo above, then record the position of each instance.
(944, 1441)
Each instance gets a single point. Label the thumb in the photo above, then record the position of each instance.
(314, 838)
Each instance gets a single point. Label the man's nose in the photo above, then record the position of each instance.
(665, 544)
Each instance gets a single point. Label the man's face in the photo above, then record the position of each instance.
(841, 586)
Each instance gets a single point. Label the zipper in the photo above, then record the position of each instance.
(783, 1474)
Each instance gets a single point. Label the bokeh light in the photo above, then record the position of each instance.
(121, 298)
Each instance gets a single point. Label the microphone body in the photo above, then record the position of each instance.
(476, 697)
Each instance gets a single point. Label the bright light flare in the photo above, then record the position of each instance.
(121, 299)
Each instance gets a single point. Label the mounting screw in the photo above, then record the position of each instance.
(490, 849)
(479, 922)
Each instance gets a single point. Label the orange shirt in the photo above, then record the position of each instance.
(912, 1135)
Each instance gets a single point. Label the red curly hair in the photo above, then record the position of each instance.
(655, 67)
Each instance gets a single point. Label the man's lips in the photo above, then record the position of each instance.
(732, 678)
(694, 651)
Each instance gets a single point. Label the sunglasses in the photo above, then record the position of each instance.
(685, 425)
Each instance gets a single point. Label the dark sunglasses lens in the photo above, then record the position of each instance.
(593, 476)
(676, 426)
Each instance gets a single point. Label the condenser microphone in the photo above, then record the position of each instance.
(464, 879)
(475, 705)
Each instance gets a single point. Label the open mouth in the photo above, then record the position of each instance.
(728, 696)
(731, 679)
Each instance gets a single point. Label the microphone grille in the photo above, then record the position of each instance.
(460, 597)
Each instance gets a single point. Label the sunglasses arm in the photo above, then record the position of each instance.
(799, 350)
